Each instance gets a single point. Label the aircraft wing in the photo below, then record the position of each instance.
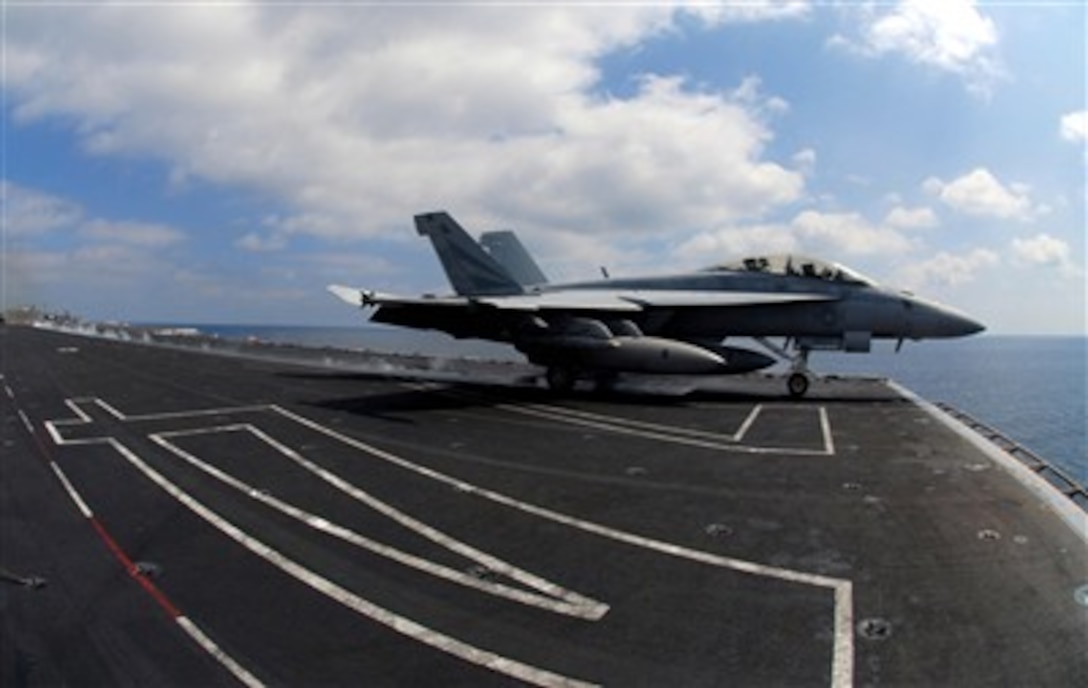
(678, 298)
(611, 300)
(361, 298)
(634, 300)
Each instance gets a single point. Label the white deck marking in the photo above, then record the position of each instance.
(672, 434)
(825, 428)
(555, 598)
(747, 424)
(843, 645)
(72, 494)
(842, 661)
(169, 415)
(26, 422)
(209, 645)
(610, 421)
(194, 631)
(360, 605)
(655, 431)
(396, 622)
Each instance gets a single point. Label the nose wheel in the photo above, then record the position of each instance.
(797, 384)
(799, 379)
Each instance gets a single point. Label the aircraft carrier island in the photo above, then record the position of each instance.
(173, 517)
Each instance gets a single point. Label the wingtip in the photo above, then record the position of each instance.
(348, 295)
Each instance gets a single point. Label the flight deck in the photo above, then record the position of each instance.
(198, 519)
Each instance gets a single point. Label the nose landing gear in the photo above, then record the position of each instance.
(797, 384)
(799, 379)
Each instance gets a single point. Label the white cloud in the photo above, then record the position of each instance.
(667, 158)
(1042, 249)
(29, 212)
(1074, 126)
(709, 248)
(755, 10)
(252, 241)
(947, 268)
(805, 161)
(59, 254)
(911, 218)
(949, 35)
(980, 193)
(750, 94)
(849, 233)
(146, 234)
(827, 234)
(98, 272)
(356, 117)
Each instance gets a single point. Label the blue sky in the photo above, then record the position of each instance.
(223, 163)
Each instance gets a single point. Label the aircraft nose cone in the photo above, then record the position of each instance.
(936, 320)
(967, 326)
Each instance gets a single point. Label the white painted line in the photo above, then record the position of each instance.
(199, 636)
(672, 436)
(558, 600)
(26, 422)
(825, 428)
(80, 504)
(463, 486)
(170, 415)
(842, 660)
(622, 422)
(842, 669)
(9, 391)
(214, 650)
(748, 422)
(74, 404)
(81, 419)
(50, 427)
(395, 622)
(843, 643)
(112, 411)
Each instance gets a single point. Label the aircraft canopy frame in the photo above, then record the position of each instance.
(796, 265)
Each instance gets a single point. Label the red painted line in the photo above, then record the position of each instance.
(190, 628)
(158, 595)
(152, 589)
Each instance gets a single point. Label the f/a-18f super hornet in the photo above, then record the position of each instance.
(673, 324)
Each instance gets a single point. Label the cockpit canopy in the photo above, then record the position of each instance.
(795, 265)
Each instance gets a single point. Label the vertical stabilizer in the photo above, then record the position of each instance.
(507, 249)
(470, 269)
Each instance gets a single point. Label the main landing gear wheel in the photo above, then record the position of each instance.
(797, 384)
(560, 378)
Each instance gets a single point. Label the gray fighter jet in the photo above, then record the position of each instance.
(672, 324)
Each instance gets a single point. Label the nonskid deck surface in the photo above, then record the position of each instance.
(204, 520)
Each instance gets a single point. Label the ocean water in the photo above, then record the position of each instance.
(1033, 389)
